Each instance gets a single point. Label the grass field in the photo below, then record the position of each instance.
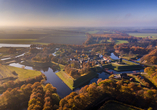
(118, 41)
(114, 105)
(154, 35)
(121, 41)
(23, 74)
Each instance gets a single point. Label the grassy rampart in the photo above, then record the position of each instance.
(127, 66)
(74, 83)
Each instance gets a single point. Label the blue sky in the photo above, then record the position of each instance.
(78, 13)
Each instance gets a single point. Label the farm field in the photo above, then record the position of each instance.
(154, 35)
(117, 41)
(21, 74)
(42, 36)
(63, 38)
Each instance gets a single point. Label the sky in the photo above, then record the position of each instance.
(78, 13)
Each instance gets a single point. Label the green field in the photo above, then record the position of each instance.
(114, 105)
(117, 41)
(154, 35)
(121, 41)
(22, 74)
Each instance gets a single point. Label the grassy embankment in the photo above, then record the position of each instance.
(137, 80)
(147, 76)
(115, 105)
(74, 83)
(6, 74)
(128, 66)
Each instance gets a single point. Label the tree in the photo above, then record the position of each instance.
(62, 102)
(50, 88)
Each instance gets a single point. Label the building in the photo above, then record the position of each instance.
(105, 58)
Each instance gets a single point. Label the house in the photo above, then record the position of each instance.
(105, 58)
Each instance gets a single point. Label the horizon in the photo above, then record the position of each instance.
(78, 13)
